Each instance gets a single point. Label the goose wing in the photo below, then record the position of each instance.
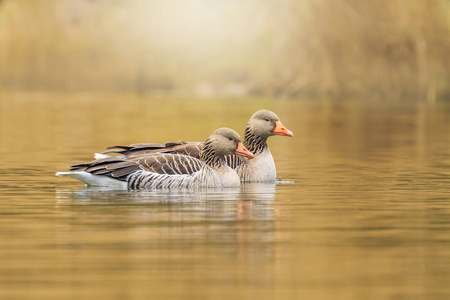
(160, 163)
(181, 147)
(111, 167)
(170, 164)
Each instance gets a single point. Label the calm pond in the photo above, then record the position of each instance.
(368, 215)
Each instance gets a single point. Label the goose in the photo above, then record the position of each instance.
(168, 170)
(262, 125)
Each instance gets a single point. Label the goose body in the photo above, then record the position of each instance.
(261, 168)
(205, 177)
(168, 170)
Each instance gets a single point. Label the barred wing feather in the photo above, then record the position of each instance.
(160, 163)
(170, 164)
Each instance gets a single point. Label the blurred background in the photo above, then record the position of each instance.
(312, 48)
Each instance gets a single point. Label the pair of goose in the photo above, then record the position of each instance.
(221, 161)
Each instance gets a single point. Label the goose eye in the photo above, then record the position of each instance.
(230, 138)
(267, 120)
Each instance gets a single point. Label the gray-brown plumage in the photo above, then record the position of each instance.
(169, 170)
(262, 125)
(181, 147)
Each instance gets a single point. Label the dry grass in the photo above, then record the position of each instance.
(347, 48)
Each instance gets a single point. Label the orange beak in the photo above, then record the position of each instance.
(281, 130)
(242, 151)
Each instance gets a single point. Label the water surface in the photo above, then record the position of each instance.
(368, 216)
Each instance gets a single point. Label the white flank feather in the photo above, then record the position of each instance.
(94, 180)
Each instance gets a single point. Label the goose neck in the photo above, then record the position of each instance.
(253, 142)
(209, 156)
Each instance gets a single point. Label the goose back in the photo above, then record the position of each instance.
(181, 147)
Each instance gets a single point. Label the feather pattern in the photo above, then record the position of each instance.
(181, 147)
(205, 177)
(259, 128)
(169, 170)
(255, 143)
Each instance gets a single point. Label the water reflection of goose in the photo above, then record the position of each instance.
(252, 201)
(106, 195)
(150, 219)
(258, 191)
(261, 192)
(167, 170)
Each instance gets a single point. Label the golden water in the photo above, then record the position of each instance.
(367, 218)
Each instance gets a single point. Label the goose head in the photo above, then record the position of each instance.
(225, 141)
(265, 123)
(222, 142)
